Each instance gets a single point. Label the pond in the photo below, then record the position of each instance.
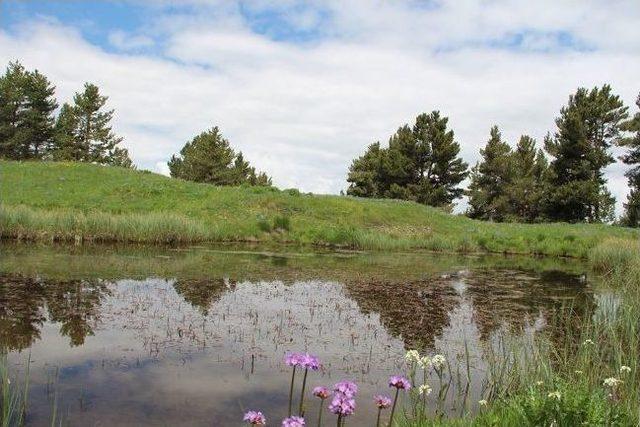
(196, 336)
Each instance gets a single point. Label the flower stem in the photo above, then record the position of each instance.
(304, 384)
(393, 408)
(293, 377)
(378, 419)
(320, 413)
(339, 420)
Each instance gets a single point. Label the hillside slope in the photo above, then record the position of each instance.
(74, 201)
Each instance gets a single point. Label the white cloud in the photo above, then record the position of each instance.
(125, 42)
(302, 111)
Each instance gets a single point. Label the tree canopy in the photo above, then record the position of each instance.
(83, 132)
(29, 129)
(27, 105)
(490, 178)
(209, 158)
(586, 128)
(421, 163)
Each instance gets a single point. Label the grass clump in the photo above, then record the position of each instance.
(83, 202)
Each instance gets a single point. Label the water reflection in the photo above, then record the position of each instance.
(25, 303)
(179, 349)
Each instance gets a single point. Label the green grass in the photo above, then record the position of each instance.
(77, 202)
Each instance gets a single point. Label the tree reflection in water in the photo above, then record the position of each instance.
(25, 302)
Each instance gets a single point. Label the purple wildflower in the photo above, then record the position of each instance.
(293, 422)
(399, 382)
(348, 388)
(255, 418)
(342, 405)
(308, 361)
(382, 402)
(321, 392)
(293, 359)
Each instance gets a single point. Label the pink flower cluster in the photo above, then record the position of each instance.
(399, 382)
(304, 360)
(255, 418)
(382, 402)
(293, 422)
(343, 402)
(321, 392)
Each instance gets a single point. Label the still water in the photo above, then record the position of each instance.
(196, 336)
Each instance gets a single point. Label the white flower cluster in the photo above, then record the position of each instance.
(438, 361)
(625, 369)
(554, 395)
(612, 382)
(413, 356)
(424, 389)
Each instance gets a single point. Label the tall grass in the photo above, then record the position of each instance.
(13, 402)
(24, 223)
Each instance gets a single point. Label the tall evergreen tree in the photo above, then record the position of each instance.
(631, 215)
(526, 190)
(27, 104)
(83, 131)
(209, 158)
(365, 173)
(587, 126)
(421, 164)
(490, 179)
(67, 146)
(440, 170)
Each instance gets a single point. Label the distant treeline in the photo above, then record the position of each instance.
(563, 181)
(422, 163)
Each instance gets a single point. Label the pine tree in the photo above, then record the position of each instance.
(365, 173)
(83, 131)
(631, 215)
(439, 168)
(209, 158)
(490, 178)
(420, 163)
(27, 104)
(526, 191)
(67, 146)
(587, 126)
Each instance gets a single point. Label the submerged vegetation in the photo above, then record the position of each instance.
(81, 202)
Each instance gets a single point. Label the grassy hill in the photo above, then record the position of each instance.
(73, 201)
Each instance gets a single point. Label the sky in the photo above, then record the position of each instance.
(303, 87)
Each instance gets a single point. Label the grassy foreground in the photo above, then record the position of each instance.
(78, 202)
